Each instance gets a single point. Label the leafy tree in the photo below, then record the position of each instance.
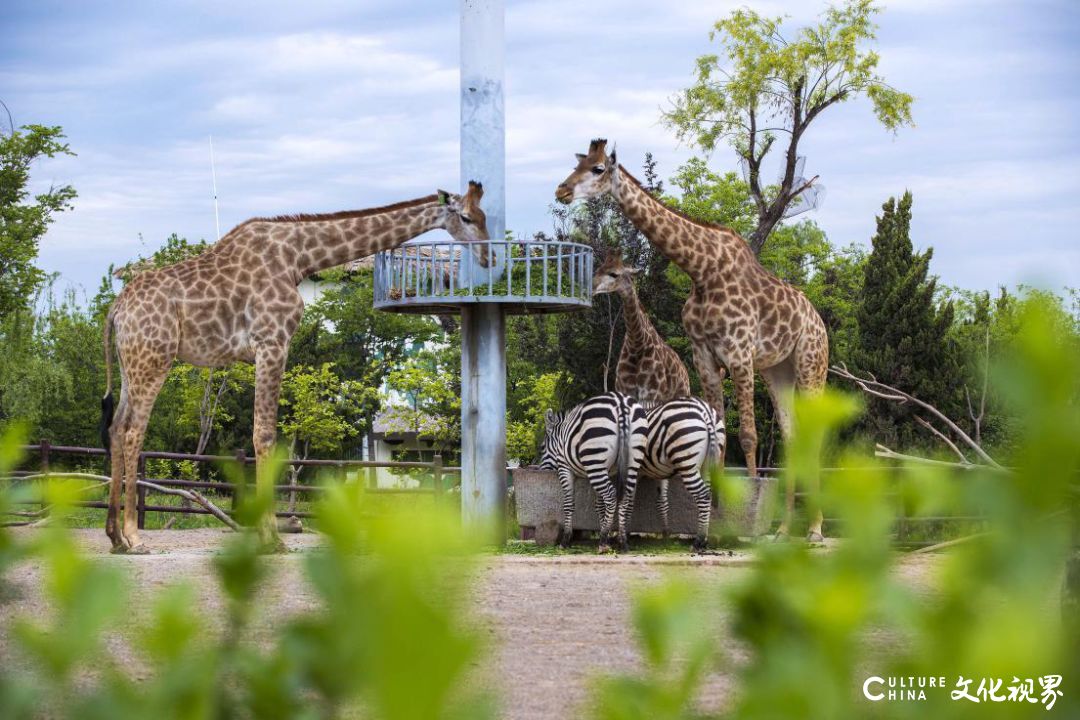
(320, 408)
(713, 198)
(835, 289)
(175, 249)
(208, 402)
(24, 221)
(988, 327)
(904, 333)
(365, 344)
(422, 399)
(523, 436)
(769, 83)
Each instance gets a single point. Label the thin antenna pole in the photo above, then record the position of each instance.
(213, 179)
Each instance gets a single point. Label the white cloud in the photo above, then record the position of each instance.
(342, 105)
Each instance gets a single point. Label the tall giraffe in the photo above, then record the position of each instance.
(649, 370)
(238, 301)
(739, 316)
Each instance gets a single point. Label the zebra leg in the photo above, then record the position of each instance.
(606, 503)
(665, 527)
(566, 530)
(626, 509)
(702, 494)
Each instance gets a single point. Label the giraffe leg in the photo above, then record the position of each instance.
(811, 365)
(269, 366)
(743, 376)
(151, 370)
(712, 376)
(116, 486)
(566, 529)
(780, 380)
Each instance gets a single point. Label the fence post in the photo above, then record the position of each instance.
(44, 468)
(45, 445)
(437, 476)
(140, 491)
(901, 519)
(241, 475)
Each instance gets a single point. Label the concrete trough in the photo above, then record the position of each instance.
(537, 498)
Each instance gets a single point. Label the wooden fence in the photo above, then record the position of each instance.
(47, 453)
(439, 472)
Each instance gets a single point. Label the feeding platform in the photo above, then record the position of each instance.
(524, 277)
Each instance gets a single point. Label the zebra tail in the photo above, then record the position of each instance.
(715, 451)
(622, 453)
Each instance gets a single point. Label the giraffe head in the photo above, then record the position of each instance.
(464, 220)
(613, 275)
(594, 175)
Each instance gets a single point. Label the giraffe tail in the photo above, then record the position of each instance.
(108, 407)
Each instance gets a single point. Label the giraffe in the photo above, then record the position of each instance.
(739, 316)
(649, 370)
(238, 301)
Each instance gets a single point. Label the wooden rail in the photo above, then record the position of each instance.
(438, 472)
(47, 453)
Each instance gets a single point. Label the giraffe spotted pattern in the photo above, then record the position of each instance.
(739, 316)
(238, 301)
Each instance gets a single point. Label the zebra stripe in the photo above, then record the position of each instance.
(603, 436)
(683, 435)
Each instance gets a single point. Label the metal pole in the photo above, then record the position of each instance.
(483, 130)
(483, 328)
(483, 420)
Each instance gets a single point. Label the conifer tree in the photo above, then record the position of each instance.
(904, 337)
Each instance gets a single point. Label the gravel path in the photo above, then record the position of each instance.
(554, 622)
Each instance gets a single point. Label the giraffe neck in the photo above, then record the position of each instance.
(639, 331)
(699, 250)
(332, 241)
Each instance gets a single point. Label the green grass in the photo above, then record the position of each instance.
(642, 546)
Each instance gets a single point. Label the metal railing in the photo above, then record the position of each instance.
(239, 459)
(443, 274)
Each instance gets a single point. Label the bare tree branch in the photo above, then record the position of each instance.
(195, 497)
(888, 392)
(882, 451)
(977, 419)
(941, 436)
(795, 193)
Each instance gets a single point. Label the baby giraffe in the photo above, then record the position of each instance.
(649, 370)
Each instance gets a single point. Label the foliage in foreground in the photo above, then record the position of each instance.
(818, 625)
(389, 634)
(385, 639)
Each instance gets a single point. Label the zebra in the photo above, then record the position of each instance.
(602, 436)
(684, 434)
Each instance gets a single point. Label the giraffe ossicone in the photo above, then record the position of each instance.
(238, 301)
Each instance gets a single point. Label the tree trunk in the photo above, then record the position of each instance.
(372, 473)
(294, 473)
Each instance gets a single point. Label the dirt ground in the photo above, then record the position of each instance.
(554, 622)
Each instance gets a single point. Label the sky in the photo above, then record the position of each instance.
(333, 105)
